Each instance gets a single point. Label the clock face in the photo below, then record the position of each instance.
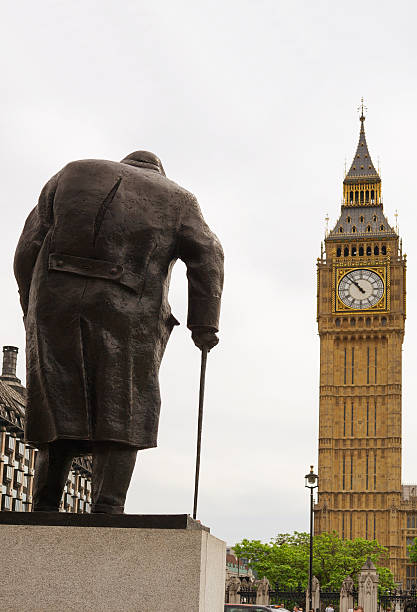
(361, 289)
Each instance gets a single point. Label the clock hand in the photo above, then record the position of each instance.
(357, 285)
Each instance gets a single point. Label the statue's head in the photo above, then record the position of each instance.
(144, 159)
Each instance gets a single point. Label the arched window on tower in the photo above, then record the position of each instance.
(366, 196)
(375, 218)
(353, 251)
(351, 197)
(376, 250)
(361, 219)
(348, 219)
(368, 229)
(361, 251)
(346, 252)
(372, 196)
(338, 252)
(354, 229)
(341, 230)
(384, 249)
(381, 227)
(361, 197)
(356, 197)
(368, 250)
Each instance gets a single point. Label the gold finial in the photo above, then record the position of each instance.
(362, 109)
(326, 218)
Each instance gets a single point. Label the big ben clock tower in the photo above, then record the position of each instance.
(361, 316)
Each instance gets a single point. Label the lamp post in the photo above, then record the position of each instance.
(311, 482)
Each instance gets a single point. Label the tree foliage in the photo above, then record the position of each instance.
(413, 551)
(286, 559)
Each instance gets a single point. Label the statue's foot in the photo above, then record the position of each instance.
(45, 509)
(107, 509)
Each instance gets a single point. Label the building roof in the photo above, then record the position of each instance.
(362, 167)
(353, 227)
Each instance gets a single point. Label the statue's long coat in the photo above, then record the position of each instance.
(93, 267)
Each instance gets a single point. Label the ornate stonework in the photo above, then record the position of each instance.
(361, 326)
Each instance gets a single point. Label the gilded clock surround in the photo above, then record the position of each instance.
(382, 269)
(360, 491)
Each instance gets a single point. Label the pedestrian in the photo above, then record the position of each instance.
(329, 608)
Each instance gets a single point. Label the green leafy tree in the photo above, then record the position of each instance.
(412, 548)
(286, 559)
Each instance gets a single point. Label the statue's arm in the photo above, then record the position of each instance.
(201, 251)
(31, 240)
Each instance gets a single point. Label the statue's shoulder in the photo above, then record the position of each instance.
(91, 164)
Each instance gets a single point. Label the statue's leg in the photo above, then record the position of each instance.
(113, 465)
(53, 463)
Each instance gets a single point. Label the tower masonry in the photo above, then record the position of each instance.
(361, 311)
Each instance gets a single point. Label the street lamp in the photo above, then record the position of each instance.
(312, 482)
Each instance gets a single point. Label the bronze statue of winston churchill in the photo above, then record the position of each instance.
(93, 267)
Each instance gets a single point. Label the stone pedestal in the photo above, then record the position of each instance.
(54, 562)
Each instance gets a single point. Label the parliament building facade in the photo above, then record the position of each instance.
(361, 311)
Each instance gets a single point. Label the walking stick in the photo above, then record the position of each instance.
(200, 426)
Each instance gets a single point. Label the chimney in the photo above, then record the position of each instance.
(9, 363)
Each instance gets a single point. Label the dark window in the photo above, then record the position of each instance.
(376, 250)
(367, 474)
(374, 218)
(338, 252)
(344, 368)
(367, 196)
(351, 196)
(341, 230)
(348, 219)
(384, 249)
(372, 195)
(356, 196)
(381, 227)
(346, 252)
(354, 229)
(361, 197)
(361, 251)
(344, 418)
(353, 251)
(368, 229)
(361, 219)
(368, 249)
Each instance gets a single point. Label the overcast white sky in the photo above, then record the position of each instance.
(251, 105)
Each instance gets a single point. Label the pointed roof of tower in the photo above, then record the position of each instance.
(362, 166)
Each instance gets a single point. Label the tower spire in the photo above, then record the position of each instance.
(362, 184)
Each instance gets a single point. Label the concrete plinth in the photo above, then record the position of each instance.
(175, 566)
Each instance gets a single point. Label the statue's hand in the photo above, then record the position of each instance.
(204, 337)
